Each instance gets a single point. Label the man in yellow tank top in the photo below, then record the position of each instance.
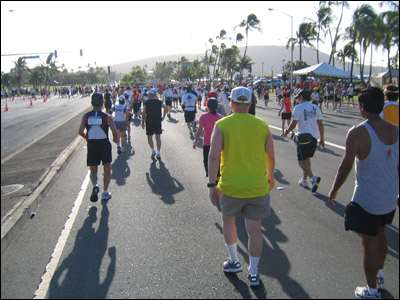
(242, 146)
(390, 111)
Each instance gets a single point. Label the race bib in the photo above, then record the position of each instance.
(93, 120)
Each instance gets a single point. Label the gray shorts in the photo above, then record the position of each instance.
(254, 209)
(120, 125)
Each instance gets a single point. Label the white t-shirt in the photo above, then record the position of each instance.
(307, 115)
(167, 93)
(189, 100)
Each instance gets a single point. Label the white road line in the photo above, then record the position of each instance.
(55, 257)
(326, 143)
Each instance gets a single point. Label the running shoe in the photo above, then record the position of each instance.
(95, 191)
(159, 156)
(254, 279)
(362, 293)
(314, 183)
(106, 195)
(232, 267)
(122, 150)
(380, 282)
(119, 150)
(303, 183)
(153, 154)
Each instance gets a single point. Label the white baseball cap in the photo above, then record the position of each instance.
(241, 92)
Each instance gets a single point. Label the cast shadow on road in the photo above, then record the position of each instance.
(120, 170)
(162, 183)
(78, 277)
(328, 151)
(274, 262)
(278, 176)
(392, 233)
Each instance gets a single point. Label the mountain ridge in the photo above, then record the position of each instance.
(274, 57)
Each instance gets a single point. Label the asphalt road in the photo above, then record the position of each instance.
(160, 237)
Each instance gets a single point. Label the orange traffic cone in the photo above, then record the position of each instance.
(35, 98)
(23, 98)
(13, 98)
(31, 103)
(6, 107)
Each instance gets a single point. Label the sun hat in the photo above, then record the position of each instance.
(121, 98)
(241, 92)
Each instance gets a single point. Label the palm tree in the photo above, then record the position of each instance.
(20, 66)
(324, 18)
(362, 17)
(306, 33)
(252, 22)
(220, 37)
(229, 61)
(335, 39)
(391, 34)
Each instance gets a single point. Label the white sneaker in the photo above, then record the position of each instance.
(362, 293)
(303, 183)
(314, 183)
(106, 195)
(122, 149)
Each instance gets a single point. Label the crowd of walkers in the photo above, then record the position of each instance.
(239, 158)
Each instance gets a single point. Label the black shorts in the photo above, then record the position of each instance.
(286, 116)
(306, 146)
(168, 101)
(358, 220)
(98, 150)
(190, 116)
(136, 107)
(153, 128)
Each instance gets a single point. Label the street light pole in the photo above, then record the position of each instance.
(291, 54)
(262, 75)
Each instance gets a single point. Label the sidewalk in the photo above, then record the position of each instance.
(34, 171)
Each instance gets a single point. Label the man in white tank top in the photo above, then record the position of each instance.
(374, 144)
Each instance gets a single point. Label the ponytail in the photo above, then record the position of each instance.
(213, 111)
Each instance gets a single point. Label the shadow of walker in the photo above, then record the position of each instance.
(162, 183)
(78, 277)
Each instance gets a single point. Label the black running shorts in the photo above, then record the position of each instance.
(306, 146)
(190, 116)
(98, 151)
(153, 128)
(358, 220)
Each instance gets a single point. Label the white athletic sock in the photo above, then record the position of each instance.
(380, 273)
(254, 264)
(153, 151)
(372, 291)
(233, 252)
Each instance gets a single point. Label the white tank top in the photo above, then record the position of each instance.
(377, 177)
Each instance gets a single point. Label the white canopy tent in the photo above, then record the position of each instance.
(322, 70)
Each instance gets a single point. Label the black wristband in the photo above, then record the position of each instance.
(211, 184)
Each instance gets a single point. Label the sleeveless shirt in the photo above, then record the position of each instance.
(377, 178)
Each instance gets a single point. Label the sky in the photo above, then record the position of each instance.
(116, 32)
